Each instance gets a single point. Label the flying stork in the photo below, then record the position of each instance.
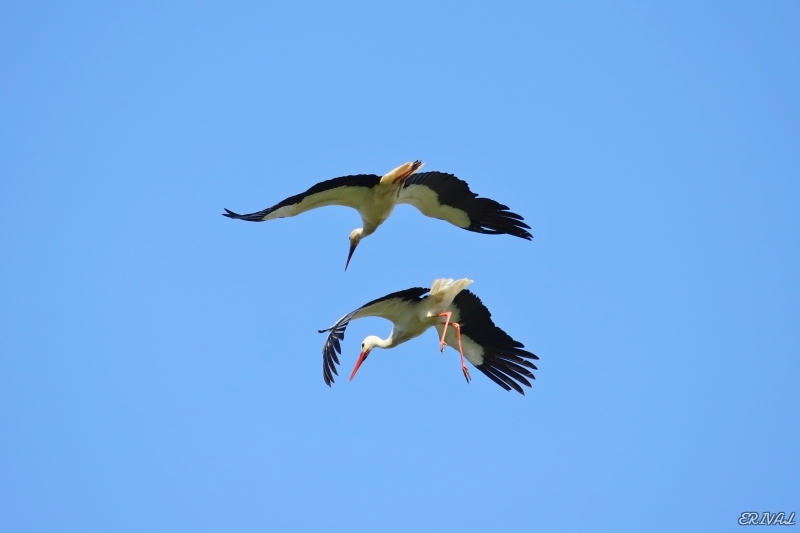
(435, 194)
(460, 318)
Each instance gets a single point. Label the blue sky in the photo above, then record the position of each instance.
(160, 366)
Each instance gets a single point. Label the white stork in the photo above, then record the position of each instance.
(435, 194)
(447, 303)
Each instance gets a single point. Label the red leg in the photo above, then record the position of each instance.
(464, 368)
(447, 315)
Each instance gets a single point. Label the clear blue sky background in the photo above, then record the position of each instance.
(160, 368)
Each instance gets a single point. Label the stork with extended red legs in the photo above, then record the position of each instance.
(460, 319)
(435, 194)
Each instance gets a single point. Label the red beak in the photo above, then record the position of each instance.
(361, 358)
(349, 255)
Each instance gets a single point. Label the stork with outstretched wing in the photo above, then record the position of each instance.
(435, 194)
(459, 317)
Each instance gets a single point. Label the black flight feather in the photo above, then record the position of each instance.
(504, 360)
(485, 215)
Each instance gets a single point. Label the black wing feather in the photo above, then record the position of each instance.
(332, 345)
(504, 360)
(485, 215)
(332, 348)
(359, 180)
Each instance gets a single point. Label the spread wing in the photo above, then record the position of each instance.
(488, 347)
(389, 307)
(444, 196)
(349, 191)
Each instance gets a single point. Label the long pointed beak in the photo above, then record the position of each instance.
(361, 358)
(349, 255)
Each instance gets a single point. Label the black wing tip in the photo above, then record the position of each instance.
(509, 378)
(495, 230)
(332, 346)
(327, 375)
(500, 222)
(516, 231)
(250, 217)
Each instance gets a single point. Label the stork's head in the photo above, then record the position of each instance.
(402, 172)
(366, 347)
(355, 237)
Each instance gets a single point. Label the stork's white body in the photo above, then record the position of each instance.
(378, 206)
(411, 320)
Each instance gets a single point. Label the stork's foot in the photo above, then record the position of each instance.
(442, 346)
(466, 373)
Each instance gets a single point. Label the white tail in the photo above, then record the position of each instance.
(448, 288)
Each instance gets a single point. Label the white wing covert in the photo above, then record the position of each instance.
(348, 191)
(444, 196)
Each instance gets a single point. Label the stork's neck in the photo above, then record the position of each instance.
(398, 336)
(388, 342)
